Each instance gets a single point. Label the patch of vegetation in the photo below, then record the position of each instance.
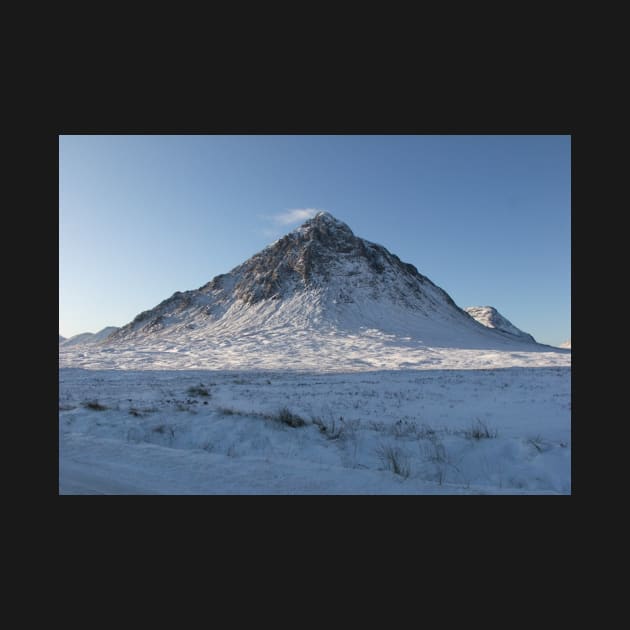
(404, 428)
(187, 406)
(435, 452)
(539, 444)
(164, 429)
(332, 429)
(394, 459)
(94, 405)
(198, 390)
(227, 411)
(284, 416)
(425, 432)
(480, 431)
(377, 425)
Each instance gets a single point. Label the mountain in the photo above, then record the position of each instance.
(490, 317)
(88, 337)
(319, 278)
(566, 344)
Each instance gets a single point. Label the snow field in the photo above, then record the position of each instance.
(428, 431)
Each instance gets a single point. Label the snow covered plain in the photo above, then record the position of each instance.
(275, 348)
(430, 431)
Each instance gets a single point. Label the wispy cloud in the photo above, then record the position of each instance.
(294, 215)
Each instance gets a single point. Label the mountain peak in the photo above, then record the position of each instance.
(322, 215)
(323, 224)
(319, 277)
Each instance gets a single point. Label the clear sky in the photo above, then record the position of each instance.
(487, 218)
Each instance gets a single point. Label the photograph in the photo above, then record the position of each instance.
(315, 313)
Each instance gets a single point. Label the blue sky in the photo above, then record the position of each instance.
(487, 218)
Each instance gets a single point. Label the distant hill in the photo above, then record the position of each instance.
(490, 317)
(88, 337)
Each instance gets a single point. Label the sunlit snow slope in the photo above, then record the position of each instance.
(88, 337)
(490, 317)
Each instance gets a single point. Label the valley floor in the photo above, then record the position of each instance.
(481, 431)
(265, 348)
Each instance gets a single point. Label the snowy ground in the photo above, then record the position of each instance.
(314, 350)
(453, 431)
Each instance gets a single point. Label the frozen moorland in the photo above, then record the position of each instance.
(323, 364)
(430, 431)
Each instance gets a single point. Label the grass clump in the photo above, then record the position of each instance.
(330, 429)
(539, 443)
(198, 390)
(94, 405)
(228, 411)
(480, 431)
(285, 416)
(394, 460)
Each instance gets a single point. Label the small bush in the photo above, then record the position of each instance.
(394, 460)
(227, 411)
(164, 429)
(186, 406)
(290, 419)
(539, 444)
(480, 431)
(94, 405)
(331, 430)
(435, 452)
(426, 432)
(404, 428)
(198, 390)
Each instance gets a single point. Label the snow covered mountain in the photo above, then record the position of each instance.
(490, 317)
(88, 337)
(566, 344)
(318, 277)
